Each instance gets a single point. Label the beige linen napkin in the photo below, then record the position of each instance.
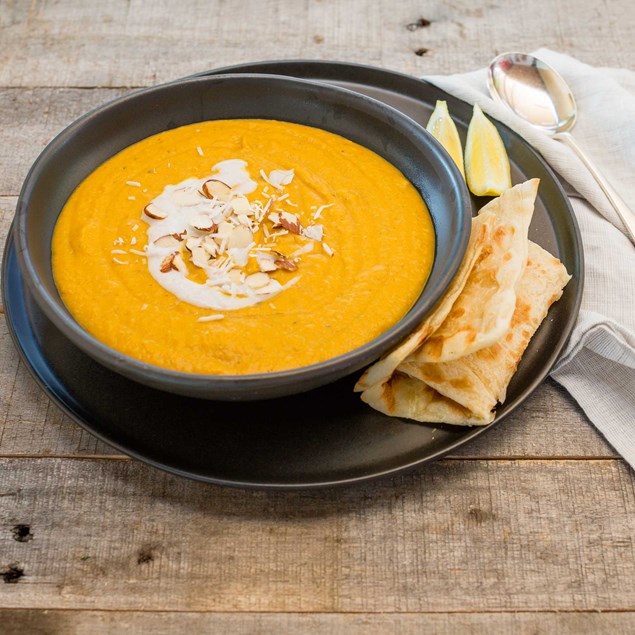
(598, 364)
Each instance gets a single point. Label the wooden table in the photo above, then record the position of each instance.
(530, 529)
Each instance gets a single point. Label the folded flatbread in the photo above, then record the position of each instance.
(482, 313)
(465, 389)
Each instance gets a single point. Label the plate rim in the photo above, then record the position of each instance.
(472, 433)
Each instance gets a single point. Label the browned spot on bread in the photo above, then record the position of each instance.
(388, 396)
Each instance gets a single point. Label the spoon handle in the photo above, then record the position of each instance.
(626, 215)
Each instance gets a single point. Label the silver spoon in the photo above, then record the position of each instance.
(537, 93)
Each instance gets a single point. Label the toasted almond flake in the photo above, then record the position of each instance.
(179, 264)
(119, 262)
(145, 189)
(210, 246)
(327, 249)
(135, 227)
(132, 198)
(290, 222)
(320, 209)
(236, 276)
(152, 211)
(282, 232)
(266, 261)
(286, 264)
(240, 237)
(192, 243)
(314, 232)
(166, 263)
(118, 241)
(200, 151)
(224, 229)
(241, 205)
(279, 178)
(169, 241)
(118, 251)
(284, 197)
(133, 241)
(203, 223)
(139, 253)
(200, 256)
(257, 280)
(288, 202)
(213, 188)
(133, 183)
(211, 318)
(186, 197)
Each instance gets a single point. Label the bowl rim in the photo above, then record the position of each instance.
(163, 376)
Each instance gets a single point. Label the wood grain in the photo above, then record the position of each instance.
(122, 43)
(456, 536)
(473, 543)
(50, 622)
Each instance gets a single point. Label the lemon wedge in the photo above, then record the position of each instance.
(442, 128)
(486, 162)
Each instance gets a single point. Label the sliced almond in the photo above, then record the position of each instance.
(278, 178)
(314, 232)
(210, 246)
(213, 188)
(257, 280)
(152, 211)
(285, 263)
(203, 223)
(192, 243)
(267, 206)
(186, 197)
(236, 276)
(179, 264)
(200, 256)
(290, 222)
(169, 241)
(240, 237)
(241, 205)
(166, 263)
(266, 261)
(274, 217)
(224, 229)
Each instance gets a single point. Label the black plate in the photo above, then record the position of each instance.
(324, 437)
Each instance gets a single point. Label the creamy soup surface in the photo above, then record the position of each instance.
(242, 246)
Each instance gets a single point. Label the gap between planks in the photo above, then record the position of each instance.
(447, 459)
(308, 612)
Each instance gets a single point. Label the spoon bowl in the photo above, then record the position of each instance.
(533, 90)
(537, 93)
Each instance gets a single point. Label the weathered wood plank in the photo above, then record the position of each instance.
(29, 119)
(457, 536)
(122, 43)
(46, 622)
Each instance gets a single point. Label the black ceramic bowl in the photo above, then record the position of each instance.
(100, 134)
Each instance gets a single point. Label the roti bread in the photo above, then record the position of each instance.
(465, 391)
(456, 367)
